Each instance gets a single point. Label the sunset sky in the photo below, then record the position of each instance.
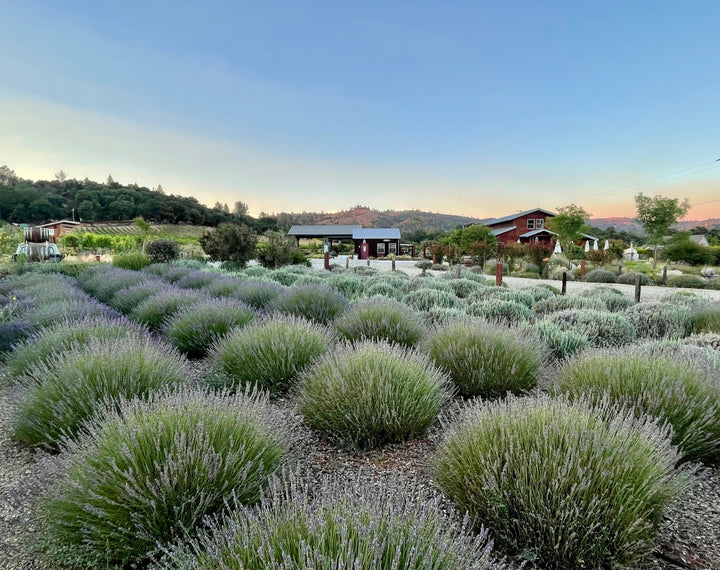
(480, 108)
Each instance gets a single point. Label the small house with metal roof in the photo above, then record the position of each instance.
(368, 242)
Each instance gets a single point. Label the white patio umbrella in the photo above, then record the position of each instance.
(607, 245)
(587, 245)
(557, 249)
(595, 245)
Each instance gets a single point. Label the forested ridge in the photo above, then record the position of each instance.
(37, 202)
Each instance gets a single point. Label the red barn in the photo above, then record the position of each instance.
(523, 227)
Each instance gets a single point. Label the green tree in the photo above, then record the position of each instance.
(569, 224)
(680, 248)
(276, 250)
(230, 242)
(657, 214)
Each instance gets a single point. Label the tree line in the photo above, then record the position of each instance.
(40, 201)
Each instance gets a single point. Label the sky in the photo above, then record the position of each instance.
(478, 108)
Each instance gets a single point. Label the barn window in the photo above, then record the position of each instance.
(381, 248)
(392, 247)
(531, 224)
(540, 223)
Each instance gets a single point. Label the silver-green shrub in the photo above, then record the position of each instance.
(615, 301)
(563, 302)
(631, 278)
(601, 328)
(259, 294)
(562, 343)
(655, 319)
(268, 354)
(149, 474)
(350, 286)
(194, 329)
(707, 319)
(556, 483)
(380, 319)
(501, 310)
(60, 395)
(600, 275)
(674, 391)
(367, 394)
(314, 302)
(153, 311)
(338, 524)
(485, 360)
(425, 298)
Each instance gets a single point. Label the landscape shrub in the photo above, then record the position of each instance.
(688, 281)
(419, 283)
(149, 474)
(600, 275)
(439, 267)
(259, 294)
(464, 288)
(707, 319)
(384, 289)
(540, 292)
(268, 354)
(111, 283)
(562, 343)
(193, 329)
(484, 360)
(339, 524)
(153, 311)
(157, 269)
(134, 261)
(53, 342)
(12, 332)
(162, 250)
(631, 278)
(709, 340)
(368, 394)
(491, 267)
(526, 274)
(444, 316)
(350, 286)
(175, 273)
(522, 296)
(426, 298)
(655, 319)
(500, 310)
(686, 298)
(223, 287)
(556, 483)
(197, 280)
(125, 300)
(674, 392)
(615, 301)
(380, 319)
(314, 302)
(285, 277)
(61, 394)
(556, 273)
(48, 315)
(563, 302)
(601, 328)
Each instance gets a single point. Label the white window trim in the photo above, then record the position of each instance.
(540, 224)
(531, 223)
(381, 248)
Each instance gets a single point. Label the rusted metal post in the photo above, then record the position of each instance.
(347, 262)
(638, 285)
(582, 268)
(393, 265)
(664, 274)
(327, 261)
(564, 283)
(498, 274)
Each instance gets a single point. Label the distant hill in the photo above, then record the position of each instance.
(406, 220)
(630, 225)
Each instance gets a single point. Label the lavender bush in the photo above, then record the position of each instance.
(339, 524)
(381, 319)
(314, 302)
(150, 473)
(556, 483)
(367, 394)
(60, 395)
(154, 310)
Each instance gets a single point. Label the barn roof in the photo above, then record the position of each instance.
(500, 231)
(533, 233)
(331, 231)
(511, 217)
(376, 233)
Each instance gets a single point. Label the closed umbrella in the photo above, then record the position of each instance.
(557, 249)
(595, 245)
(587, 245)
(607, 245)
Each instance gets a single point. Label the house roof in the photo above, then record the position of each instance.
(533, 233)
(499, 231)
(330, 231)
(699, 239)
(593, 238)
(376, 233)
(518, 215)
(60, 222)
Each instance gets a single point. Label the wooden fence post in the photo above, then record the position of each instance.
(498, 274)
(564, 283)
(664, 274)
(638, 284)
